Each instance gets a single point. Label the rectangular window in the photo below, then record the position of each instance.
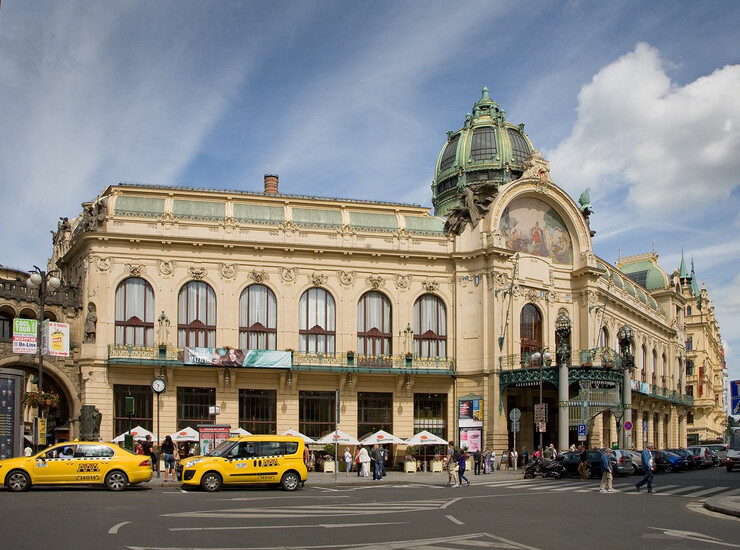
(430, 413)
(690, 343)
(374, 412)
(690, 390)
(143, 406)
(258, 411)
(316, 413)
(193, 407)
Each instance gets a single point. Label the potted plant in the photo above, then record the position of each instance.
(409, 358)
(350, 358)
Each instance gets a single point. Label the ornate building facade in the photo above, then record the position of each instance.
(445, 323)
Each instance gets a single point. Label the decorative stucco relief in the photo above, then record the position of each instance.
(136, 270)
(227, 271)
(347, 278)
(197, 273)
(259, 276)
(287, 274)
(375, 282)
(165, 267)
(403, 281)
(317, 279)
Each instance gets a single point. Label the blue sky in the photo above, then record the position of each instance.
(636, 100)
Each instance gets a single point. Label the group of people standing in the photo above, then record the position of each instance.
(168, 450)
(367, 461)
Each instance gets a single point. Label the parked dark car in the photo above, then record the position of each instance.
(593, 463)
(688, 455)
(667, 461)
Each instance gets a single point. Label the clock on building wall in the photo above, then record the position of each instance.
(158, 385)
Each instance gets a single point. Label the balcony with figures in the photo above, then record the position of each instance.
(307, 362)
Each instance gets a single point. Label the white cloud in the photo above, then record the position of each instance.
(669, 145)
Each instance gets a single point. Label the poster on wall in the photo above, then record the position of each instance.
(55, 339)
(212, 435)
(471, 439)
(8, 417)
(470, 411)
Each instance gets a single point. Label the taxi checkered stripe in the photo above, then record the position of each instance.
(76, 458)
(236, 459)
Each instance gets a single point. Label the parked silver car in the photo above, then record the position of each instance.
(623, 458)
(636, 462)
(703, 454)
(720, 449)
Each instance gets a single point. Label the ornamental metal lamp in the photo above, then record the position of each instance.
(563, 328)
(625, 346)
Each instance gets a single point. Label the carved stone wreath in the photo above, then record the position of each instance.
(287, 274)
(227, 271)
(165, 267)
(402, 281)
(103, 264)
(347, 278)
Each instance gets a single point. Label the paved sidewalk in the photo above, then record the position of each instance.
(320, 479)
(724, 505)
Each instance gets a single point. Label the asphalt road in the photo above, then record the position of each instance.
(496, 511)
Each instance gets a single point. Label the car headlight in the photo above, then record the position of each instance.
(191, 463)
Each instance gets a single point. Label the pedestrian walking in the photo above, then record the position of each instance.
(487, 461)
(348, 460)
(461, 465)
(168, 449)
(583, 464)
(648, 467)
(477, 459)
(358, 464)
(606, 472)
(452, 464)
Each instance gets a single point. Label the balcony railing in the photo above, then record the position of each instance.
(129, 354)
(594, 357)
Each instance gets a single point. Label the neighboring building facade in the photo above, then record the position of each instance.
(706, 371)
(421, 322)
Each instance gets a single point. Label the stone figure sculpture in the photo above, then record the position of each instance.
(90, 324)
(90, 418)
(475, 201)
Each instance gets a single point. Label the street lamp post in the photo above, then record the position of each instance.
(46, 283)
(563, 327)
(542, 357)
(628, 363)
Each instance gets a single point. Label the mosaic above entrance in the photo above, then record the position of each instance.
(532, 226)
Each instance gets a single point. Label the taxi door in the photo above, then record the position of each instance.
(91, 463)
(56, 465)
(270, 462)
(239, 466)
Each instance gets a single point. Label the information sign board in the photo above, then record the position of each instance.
(582, 434)
(24, 335)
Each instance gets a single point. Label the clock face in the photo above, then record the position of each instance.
(158, 385)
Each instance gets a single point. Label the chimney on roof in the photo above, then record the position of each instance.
(271, 184)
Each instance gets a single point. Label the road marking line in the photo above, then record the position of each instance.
(453, 519)
(662, 490)
(251, 527)
(114, 530)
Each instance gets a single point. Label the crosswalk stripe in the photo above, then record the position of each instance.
(664, 491)
(706, 492)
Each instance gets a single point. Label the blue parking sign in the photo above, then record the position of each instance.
(581, 432)
(735, 397)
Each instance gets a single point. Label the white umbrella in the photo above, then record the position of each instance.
(296, 433)
(138, 432)
(425, 438)
(240, 431)
(337, 437)
(186, 434)
(380, 437)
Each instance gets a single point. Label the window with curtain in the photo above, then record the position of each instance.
(644, 364)
(530, 329)
(689, 367)
(196, 316)
(317, 323)
(135, 313)
(430, 326)
(430, 413)
(374, 412)
(604, 338)
(654, 366)
(193, 407)
(316, 411)
(374, 324)
(257, 318)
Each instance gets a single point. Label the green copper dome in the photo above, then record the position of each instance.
(486, 148)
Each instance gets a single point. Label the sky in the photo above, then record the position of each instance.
(637, 101)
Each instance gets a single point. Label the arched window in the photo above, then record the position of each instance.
(530, 329)
(689, 367)
(317, 323)
(604, 338)
(135, 313)
(644, 364)
(374, 324)
(688, 310)
(654, 366)
(430, 326)
(257, 318)
(196, 316)
(6, 324)
(664, 366)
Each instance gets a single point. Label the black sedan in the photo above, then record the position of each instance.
(593, 463)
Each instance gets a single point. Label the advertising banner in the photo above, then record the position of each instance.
(470, 412)
(24, 335)
(212, 435)
(55, 339)
(232, 357)
(470, 439)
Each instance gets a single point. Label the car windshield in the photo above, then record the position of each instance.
(223, 449)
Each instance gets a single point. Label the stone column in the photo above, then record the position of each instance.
(626, 440)
(563, 407)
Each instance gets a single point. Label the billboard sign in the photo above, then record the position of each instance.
(24, 335)
(55, 339)
(232, 357)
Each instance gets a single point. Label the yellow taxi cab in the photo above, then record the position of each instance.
(248, 459)
(76, 463)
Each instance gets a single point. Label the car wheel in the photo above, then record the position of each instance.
(634, 469)
(18, 481)
(211, 482)
(668, 468)
(116, 480)
(290, 481)
(589, 473)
